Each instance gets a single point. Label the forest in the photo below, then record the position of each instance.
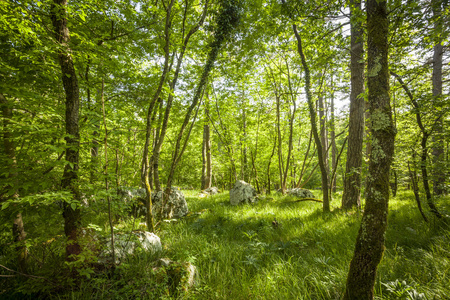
(224, 149)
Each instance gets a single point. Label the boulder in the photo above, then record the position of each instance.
(176, 206)
(212, 190)
(127, 244)
(242, 192)
(180, 276)
(300, 193)
(208, 192)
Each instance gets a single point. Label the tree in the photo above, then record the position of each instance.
(71, 214)
(438, 51)
(312, 114)
(370, 240)
(352, 180)
(227, 21)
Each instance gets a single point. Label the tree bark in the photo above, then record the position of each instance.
(370, 240)
(352, 180)
(312, 113)
(323, 132)
(72, 217)
(438, 149)
(333, 145)
(413, 176)
(206, 152)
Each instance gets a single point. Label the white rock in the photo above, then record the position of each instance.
(126, 244)
(176, 206)
(300, 193)
(242, 192)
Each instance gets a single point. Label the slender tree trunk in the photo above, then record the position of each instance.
(149, 205)
(18, 230)
(370, 240)
(159, 142)
(424, 146)
(268, 164)
(352, 180)
(291, 126)
(438, 148)
(333, 145)
(279, 147)
(312, 113)
(413, 176)
(227, 20)
(206, 152)
(72, 217)
(106, 175)
(323, 132)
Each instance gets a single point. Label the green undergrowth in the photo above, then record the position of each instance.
(275, 249)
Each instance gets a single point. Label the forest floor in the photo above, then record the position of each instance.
(275, 249)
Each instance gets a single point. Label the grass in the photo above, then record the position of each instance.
(241, 254)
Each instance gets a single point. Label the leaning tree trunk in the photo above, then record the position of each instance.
(352, 180)
(423, 144)
(312, 113)
(226, 23)
(370, 241)
(72, 217)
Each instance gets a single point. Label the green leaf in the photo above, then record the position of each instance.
(5, 205)
(73, 206)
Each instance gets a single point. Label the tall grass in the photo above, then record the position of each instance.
(279, 249)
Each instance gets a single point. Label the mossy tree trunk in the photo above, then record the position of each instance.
(227, 21)
(352, 180)
(72, 217)
(370, 241)
(312, 113)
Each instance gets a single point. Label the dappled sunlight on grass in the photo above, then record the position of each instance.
(280, 249)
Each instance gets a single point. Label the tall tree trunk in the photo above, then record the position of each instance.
(333, 144)
(291, 126)
(162, 133)
(279, 147)
(206, 151)
(423, 144)
(370, 240)
(18, 230)
(312, 113)
(72, 217)
(162, 80)
(414, 181)
(323, 132)
(352, 180)
(438, 148)
(268, 165)
(111, 227)
(226, 22)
